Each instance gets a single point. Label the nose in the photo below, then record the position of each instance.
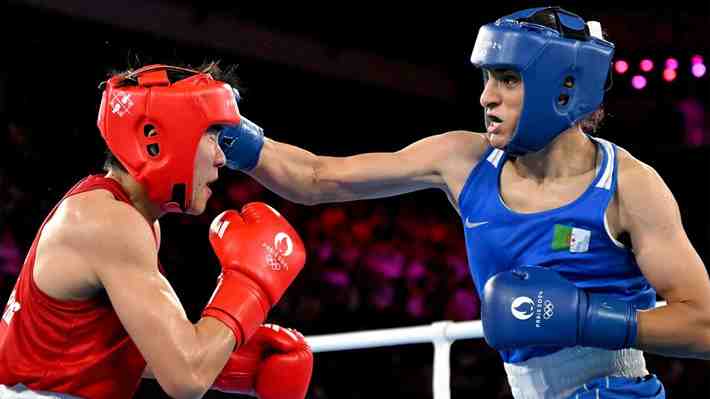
(490, 97)
(220, 159)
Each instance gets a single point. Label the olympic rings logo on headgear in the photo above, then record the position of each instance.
(153, 125)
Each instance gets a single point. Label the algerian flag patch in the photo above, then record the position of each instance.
(570, 238)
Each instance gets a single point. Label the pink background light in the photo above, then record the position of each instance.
(669, 75)
(621, 66)
(638, 82)
(646, 65)
(698, 70)
(672, 63)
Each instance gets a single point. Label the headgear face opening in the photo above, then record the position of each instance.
(565, 70)
(154, 127)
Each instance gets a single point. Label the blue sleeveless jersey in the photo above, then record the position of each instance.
(572, 240)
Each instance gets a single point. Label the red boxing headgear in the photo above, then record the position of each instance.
(153, 127)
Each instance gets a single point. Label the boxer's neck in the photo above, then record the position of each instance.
(137, 195)
(571, 153)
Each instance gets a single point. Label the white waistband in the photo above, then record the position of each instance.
(20, 391)
(559, 374)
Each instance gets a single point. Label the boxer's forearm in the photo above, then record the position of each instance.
(203, 350)
(680, 329)
(288, 171)
(215, 344)
(303, 177)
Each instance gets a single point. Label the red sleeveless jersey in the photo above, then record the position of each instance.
(77, 347)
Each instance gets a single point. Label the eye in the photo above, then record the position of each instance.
(213, 135)
(510, 79)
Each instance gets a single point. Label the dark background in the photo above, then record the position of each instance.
(336, 79)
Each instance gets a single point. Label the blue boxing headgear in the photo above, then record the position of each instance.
(565, 70)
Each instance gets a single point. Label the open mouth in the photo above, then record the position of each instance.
(494, 123)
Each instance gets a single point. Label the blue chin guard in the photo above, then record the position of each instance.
(565, 70)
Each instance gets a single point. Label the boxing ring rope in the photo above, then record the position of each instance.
(441, 333)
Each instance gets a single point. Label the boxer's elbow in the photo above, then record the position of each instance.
(185, 378)
(186, 386)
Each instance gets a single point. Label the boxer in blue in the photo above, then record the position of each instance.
(569, 237)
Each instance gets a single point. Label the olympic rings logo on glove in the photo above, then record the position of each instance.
(549, 309)
(276, 255)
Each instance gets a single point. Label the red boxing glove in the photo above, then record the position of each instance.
(261, 254)
(276, 363)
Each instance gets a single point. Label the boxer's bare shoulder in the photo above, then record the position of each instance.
(464, 149)
(87, 231)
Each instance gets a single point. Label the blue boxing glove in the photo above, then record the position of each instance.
(242, 144)
(535, 306)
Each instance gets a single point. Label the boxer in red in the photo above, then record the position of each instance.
(91, 312)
